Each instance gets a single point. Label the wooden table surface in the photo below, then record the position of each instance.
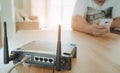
(94, 54)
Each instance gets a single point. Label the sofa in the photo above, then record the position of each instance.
(31, 24)
(24, 21)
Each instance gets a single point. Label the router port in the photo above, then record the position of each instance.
(50, 60)
(45, 59)
(41, 59)
(36, 58)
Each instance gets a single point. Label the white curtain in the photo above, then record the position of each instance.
(53, 12)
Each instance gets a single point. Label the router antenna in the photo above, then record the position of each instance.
(58, 54)
(6, 50)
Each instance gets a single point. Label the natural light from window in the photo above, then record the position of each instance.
(53, 12)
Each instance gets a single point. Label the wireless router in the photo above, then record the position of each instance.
(42, 53)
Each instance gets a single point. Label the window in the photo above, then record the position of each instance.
(53, 12)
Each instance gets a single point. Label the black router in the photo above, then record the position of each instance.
(42, 53)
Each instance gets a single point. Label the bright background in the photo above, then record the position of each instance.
(50, 12)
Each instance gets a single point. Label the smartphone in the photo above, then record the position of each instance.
(105, 22)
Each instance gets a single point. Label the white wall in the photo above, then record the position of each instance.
(18, 3)
(8, 15)
(24, 5)
(0, 8)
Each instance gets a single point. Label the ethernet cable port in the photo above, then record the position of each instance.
(36, 58)
(41, 59)
(45, 59)
(51, 60)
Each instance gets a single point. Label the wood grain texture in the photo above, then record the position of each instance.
(94, 54)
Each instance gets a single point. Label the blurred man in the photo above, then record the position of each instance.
(87, 14)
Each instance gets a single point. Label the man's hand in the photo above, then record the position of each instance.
(97, 30)
(80, 24)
